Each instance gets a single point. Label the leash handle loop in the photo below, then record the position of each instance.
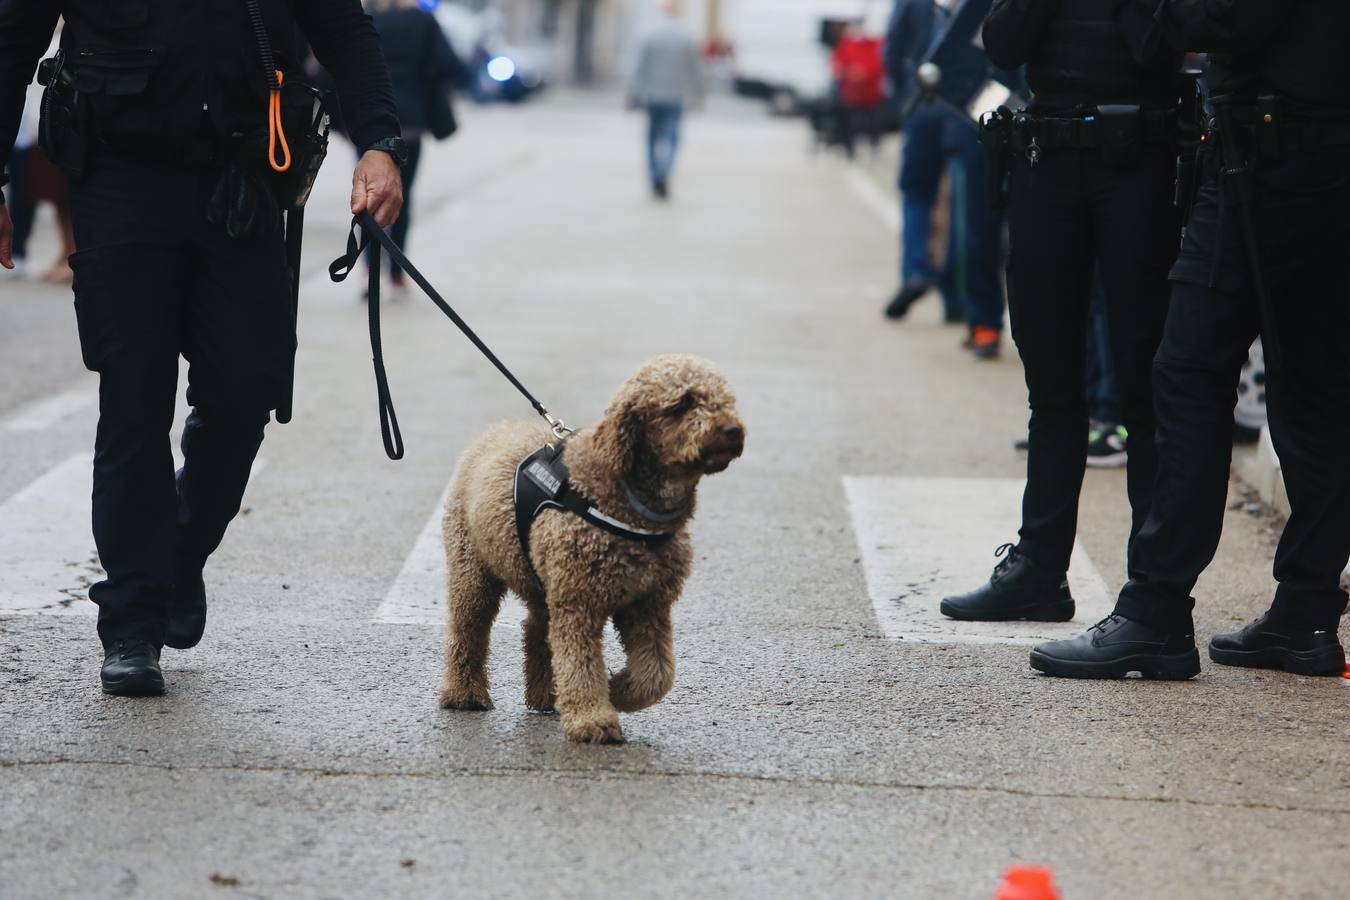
(343, 266)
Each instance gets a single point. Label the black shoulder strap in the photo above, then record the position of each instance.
(541, 480)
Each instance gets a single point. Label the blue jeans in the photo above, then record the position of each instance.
(1103, 395)
(935, 139)
(663, 139)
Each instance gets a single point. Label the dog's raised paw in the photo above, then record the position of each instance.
(465, 701)
(596, 733)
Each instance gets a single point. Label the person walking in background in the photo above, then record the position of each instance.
(21, 208)
(937, 138)
(424, 69)
(859, 78)
(34, 181)
(1107, 437)
(667, 77)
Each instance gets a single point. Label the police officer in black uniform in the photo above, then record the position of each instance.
(1093, 161)
(181, 251)
(1264, 252)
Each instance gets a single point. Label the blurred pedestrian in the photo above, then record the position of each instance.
(666, 78)
(424, 69)
(937, 138)
(182, 254)
(1107, 436)
(34, 180)
(1263, 252)
(21, 208)
(1091, 188)
(859, 79)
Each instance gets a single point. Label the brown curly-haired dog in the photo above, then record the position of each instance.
(672, 423)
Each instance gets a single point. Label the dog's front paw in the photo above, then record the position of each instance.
(595, 732)
(453, 698)
(629, 691)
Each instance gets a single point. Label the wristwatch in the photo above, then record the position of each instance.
(394, 146)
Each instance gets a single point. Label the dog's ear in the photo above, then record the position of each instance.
(619, 432)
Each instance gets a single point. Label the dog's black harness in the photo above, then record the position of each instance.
(543, 482)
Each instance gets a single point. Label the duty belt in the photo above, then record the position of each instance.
(1091, 130)
(1279, 132)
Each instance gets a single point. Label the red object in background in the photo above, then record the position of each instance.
(859, 70)
(1027, 883)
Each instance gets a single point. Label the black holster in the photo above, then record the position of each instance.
(1120, 130)
(64, 131)
(1190, 148)
(996, 132)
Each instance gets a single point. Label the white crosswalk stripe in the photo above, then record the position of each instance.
(925, 538)
(417, 596)
(47, 411)
(47, 551)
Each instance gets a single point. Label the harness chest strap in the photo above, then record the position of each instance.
(543, 482)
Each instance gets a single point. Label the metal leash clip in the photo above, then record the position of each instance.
(560, 431)
(1034, 153)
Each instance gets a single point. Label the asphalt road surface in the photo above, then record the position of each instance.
(827, 735)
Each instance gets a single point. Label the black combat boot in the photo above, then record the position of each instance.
(187, 613)
(1018, 590)
(1117, 646)
(131, 668)
(1271, 643)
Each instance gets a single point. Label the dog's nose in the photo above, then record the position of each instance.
(733, 433)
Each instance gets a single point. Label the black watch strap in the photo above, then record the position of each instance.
(394, 146)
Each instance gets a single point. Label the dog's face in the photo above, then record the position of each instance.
(679, 412)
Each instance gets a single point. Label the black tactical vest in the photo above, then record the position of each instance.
(170, 68)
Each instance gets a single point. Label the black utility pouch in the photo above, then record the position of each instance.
(996, 130)
(306, 122)
(63, 127)
(1120, 133)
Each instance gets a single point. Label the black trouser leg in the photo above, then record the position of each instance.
(1137, 229)
(1194, 387)
(130, 274)
(238, 339)
(1050, 260)
(1303, 234)
(1308, 396)
(153, 279)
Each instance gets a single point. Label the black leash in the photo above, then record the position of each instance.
(343, 266)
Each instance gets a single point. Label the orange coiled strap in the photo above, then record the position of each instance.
(275, 131)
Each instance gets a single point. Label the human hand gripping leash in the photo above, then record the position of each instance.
(343, 266)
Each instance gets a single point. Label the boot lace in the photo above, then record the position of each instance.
(1008, 552)
(1109, 620)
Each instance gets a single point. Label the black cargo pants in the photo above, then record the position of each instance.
(1070, 215)
(1302, 221)
(153, 280)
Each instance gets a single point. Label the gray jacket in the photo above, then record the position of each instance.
(668, 69)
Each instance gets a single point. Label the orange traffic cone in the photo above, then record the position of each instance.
(1027, 883)
(1346, 673)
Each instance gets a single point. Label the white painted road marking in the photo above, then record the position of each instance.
(886, 206)
(47, 555)
(47, 411)
(417, 596)
(926, 538)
